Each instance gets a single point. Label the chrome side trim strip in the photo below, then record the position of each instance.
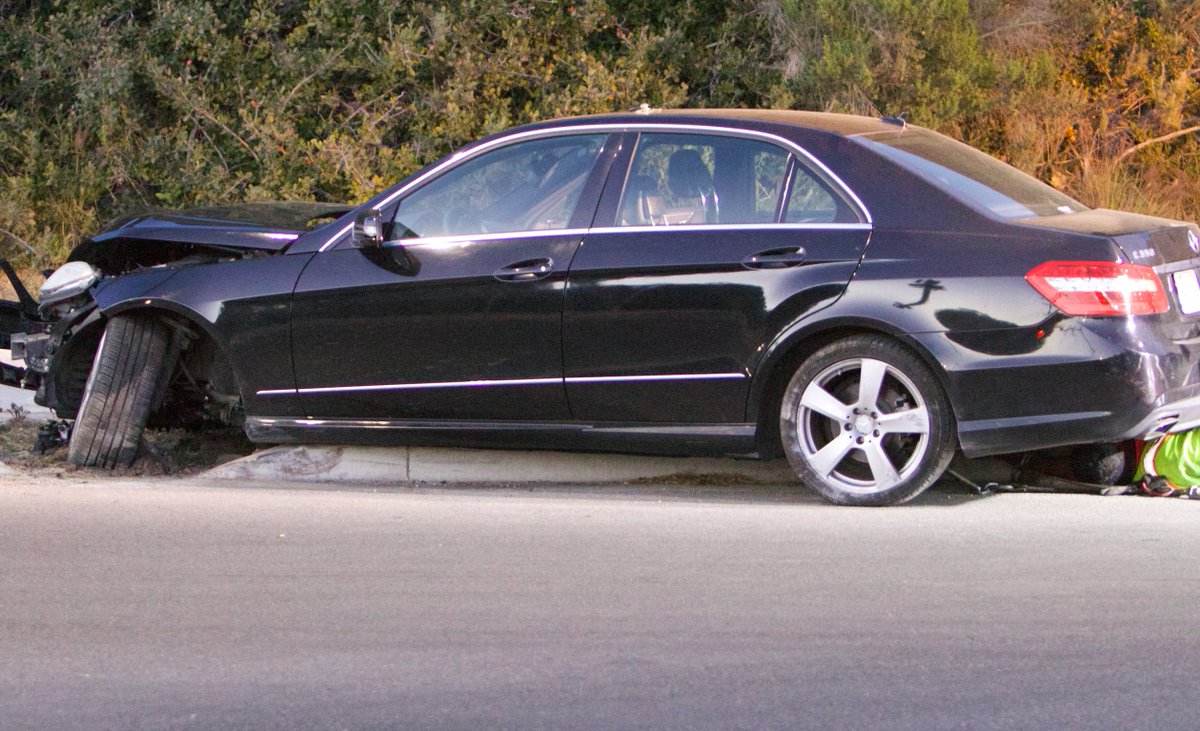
(435, 241)
(665, 377)
(713, 430)
(417, 425)
(406, 386)
(442, 384)
(509, 382)
(733, 227)
(610, 128)
(471, 238)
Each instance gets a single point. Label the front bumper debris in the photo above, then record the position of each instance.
(16, 319)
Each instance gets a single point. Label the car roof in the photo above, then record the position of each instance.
(841, 124)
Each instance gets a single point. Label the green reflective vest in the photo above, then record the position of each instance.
(1175, 457)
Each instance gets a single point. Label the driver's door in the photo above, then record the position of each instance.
(459, 315)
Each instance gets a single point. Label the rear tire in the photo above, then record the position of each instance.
(882, 445)
(127, 373)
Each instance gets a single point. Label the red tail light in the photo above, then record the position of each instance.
(1099, 288)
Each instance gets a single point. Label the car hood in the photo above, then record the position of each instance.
(262, 226)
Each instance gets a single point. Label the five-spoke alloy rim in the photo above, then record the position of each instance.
(863, 425)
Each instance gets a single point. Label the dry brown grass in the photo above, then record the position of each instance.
(169, 453)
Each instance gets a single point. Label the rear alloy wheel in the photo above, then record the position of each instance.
(126, 376)
(864, 422)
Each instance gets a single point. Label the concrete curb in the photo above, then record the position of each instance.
(378, 465)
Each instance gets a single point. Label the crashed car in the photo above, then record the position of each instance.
(861, 295)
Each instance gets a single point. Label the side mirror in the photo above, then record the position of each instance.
(368, 230)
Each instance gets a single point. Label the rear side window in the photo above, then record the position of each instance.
(690, 180)
(811, 200)
(971, 176)
(694, 179)
(527, 186)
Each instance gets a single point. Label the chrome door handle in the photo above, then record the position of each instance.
(776, 258)
(525, 271)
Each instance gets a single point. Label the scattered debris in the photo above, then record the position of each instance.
(1158, 486)
(51, 436)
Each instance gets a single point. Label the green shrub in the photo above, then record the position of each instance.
(107, 106)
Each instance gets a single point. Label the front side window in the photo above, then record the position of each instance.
(691, 179)
(527, 186)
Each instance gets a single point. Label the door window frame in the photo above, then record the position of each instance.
(581, 212)
(798, 157)
(610, 171)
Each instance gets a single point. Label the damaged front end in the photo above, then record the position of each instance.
(54, 339)
(60, 332)
(16, 319)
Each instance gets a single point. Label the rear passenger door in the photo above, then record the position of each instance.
(705, 245)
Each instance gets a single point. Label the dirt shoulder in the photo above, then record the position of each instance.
(171, 453)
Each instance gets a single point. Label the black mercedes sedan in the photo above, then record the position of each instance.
(861, 295)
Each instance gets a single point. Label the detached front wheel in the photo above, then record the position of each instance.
(865, 422)
(126, 379)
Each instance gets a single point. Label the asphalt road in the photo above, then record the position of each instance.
(134, 605)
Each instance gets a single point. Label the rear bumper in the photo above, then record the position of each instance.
(1086, 381)
(1175, 416)
(1021, 434)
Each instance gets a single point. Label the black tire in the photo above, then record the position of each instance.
(883, 449)
(1101, 464)
(127, 373)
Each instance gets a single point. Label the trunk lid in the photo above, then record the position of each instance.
(1147, 240)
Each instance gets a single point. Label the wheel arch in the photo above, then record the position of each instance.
(162, 307)
(62, 388)
(790, 348)
(201, 332)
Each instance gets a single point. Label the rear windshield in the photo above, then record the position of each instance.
(971, 176)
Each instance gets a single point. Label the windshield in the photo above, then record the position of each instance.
(971, 176)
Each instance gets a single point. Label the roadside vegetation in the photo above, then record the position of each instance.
(108, 106)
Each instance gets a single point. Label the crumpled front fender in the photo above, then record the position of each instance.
(116, 290)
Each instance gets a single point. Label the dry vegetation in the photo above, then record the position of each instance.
(164, 453)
